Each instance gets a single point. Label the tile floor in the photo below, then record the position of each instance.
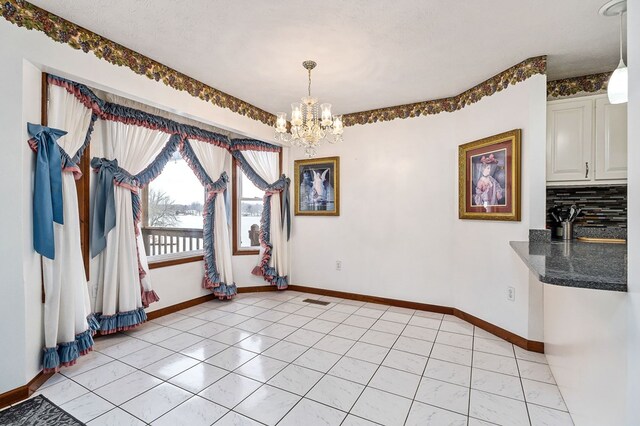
(270, 358)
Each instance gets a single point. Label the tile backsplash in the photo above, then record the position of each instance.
(604, 208)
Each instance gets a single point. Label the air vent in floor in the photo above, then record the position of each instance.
(316, 302)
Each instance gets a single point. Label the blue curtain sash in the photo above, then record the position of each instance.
(47, 191)
(104, 207)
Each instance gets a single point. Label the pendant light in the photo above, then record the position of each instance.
(618, 86)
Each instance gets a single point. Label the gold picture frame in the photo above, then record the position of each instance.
(489, 178)
(317, 187)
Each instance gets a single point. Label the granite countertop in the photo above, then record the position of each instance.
(576, 264)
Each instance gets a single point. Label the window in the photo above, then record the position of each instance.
(247, 212)
(173, 206)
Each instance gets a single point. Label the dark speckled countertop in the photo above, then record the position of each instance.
(576, 264)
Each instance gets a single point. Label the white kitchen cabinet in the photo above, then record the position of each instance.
(611, 140)
(586, 141)
(569, 140)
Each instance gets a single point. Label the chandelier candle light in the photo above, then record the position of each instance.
(309, 127)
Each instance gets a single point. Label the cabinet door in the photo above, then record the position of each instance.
(569, 137)
(611, 140)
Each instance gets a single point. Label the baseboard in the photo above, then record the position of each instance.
(257, 289)
(25, 391)
(530, 345)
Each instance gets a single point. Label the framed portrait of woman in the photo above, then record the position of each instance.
(317, 186)
(489, 178)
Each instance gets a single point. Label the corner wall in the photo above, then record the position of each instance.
(398, 234)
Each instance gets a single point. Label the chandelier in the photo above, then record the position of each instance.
(309, 126)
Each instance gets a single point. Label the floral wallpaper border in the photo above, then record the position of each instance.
(513, 75)
(25, 14)
(571, 86)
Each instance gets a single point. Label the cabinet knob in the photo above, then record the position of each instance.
(586, 174)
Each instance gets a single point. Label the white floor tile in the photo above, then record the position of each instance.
(63, 392)
(187, 324)
(169, 319)
(210, 315)
(230, 358)
(254, 325)
(334, 344)
(231, 336)
(251, 310)
(368, 352)
(405, 361)
(497, 347)
(204, 349)
(285, 351)
(208, 330)
(279, 330)
(423, 322)
(146, 356)
(272, 316)
(335, 315)
(85, 363)
(170, 366)
(451, 354)
(448, 372)
(379, 338)
(360, 321)
(414, 346)
(388, 326)
(427, 314)
(155, 402)
(352, 420)
(535, 371)
(287, 307)
(543, 416)
(500, 384)
(318, 360)
(154, 337)
(428, 415)
(320, 325)
(344, 308)
(445, 395)
(497, 363)
(455, 339)
(181, 341)
(232, 319)
(309, 311)
(382, 407)
(497, 409)
(296, 379)
(117, 417)
(126, 347)
(336, 392)
(396, 317)
(478, 332)
(261, 368)
(418, 332)
(195, 411)
(54, 380)
(457, 327)
(122, 390)
(530, 356)
(544, 394)
(104, 374)
(369, 313)
(198, 377)
(311, 413)
(87, 407)
(304, 337)
(354, 370)
(234, 419)
(230, 390)
(268, 404)
(395, 381)
(257, 343)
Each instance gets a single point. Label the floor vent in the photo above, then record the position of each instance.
(316, 302)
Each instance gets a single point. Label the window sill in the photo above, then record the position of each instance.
(246, 252)
(163, 260)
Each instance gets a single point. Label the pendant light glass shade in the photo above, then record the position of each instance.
(618, 86)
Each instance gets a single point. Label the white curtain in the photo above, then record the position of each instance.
(66, 294)
(214, 161)
(118, 277)
(266, 165)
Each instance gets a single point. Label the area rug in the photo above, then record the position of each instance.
(36, 412)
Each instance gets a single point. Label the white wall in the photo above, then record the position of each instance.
(398, 234)
(25, 54)
(633, 190)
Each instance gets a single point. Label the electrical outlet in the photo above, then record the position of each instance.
(338, 265)
(511, 293)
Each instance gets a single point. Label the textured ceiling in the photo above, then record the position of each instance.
(370, 53)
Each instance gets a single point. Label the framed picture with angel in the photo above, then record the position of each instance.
(317, 186)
